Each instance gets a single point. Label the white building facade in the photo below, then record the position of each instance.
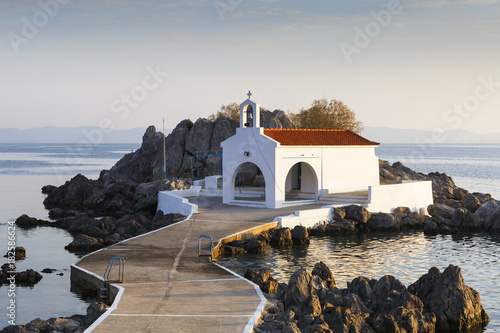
(296, 165)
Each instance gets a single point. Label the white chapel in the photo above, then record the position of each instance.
(297, 165)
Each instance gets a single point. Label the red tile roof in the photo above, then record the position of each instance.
(317, 137)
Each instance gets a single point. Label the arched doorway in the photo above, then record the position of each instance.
(301, 183)
(249, 183)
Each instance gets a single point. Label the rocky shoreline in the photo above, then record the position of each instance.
(73, 324)
(311, 302)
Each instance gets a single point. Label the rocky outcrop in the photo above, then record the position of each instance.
(309, 303)
(454, 209)
(91, 234)
(457, 307)
(9, 275)
(76, 323)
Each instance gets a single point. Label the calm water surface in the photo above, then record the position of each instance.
(24, 169)
(407, 256)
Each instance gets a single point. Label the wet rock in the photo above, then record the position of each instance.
(281, 237)
(26, 222)
(459, 193)
(263, 278)
(486, 211)
(28, 277)
(319, 229)
(383, 222)
(358, 213)
(326, 275)
(84, 243)
(456, 306)
(229, 251)
(470, 202)
(57, 213)
(300, 287)
(465, 220)
(300, 236)
(47, 189)
(439, 210)
(361, 286)
(344, 227)
(493, 223)
(430, 227)
(72, 194)
(382, 290)
(338, 213)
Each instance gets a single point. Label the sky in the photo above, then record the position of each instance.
(419, 64)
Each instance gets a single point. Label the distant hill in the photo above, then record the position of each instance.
(52, 134)
(397, 135)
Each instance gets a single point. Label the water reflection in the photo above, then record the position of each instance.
(407, 256)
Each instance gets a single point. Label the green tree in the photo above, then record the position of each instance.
(231, 111)
(323, 114)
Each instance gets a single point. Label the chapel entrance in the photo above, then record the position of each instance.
(249, 183)
(301, 183)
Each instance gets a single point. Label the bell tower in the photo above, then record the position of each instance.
(249, 113)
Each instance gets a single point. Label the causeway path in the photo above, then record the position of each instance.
(168, 288)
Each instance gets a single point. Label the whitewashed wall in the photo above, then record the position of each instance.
(415, 195)
(261, 153)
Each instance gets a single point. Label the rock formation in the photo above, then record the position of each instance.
(311, 302)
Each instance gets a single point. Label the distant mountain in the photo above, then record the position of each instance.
(398, 135)
(88, 134)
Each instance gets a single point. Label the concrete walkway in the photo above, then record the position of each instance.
(168, 288)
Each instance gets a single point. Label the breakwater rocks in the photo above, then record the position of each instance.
(75, 323)
(454, 210)
(311, 302)
(91, 234)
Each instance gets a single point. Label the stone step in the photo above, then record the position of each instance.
(244, 203)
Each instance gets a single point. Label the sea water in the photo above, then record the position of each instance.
(24, 169)
(408, 255)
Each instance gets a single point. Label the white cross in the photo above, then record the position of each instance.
(249, 94)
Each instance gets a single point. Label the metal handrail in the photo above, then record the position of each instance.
(199, 245)
(121, 269)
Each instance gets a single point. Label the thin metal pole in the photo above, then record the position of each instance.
(164, 153)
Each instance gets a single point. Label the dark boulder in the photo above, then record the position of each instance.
(486, 210)
(300, 287)
(493, 223)
(440, 210)
(382, 290)
(456, 306)
(263, 278)
(26, 222)
(73, 193)
(300, 235)
(324, 272)
(83, 243)
(384, 222)
(361, 287)
(344, 227)
(430, 227)
(470, 202)
(338, 213)
(282, 237)
(358, 213)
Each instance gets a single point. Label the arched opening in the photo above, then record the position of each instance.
(301, 183)
(249, 183)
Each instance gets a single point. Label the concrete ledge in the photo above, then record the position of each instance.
(216, 253)
(305, 218)
(175, 202)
